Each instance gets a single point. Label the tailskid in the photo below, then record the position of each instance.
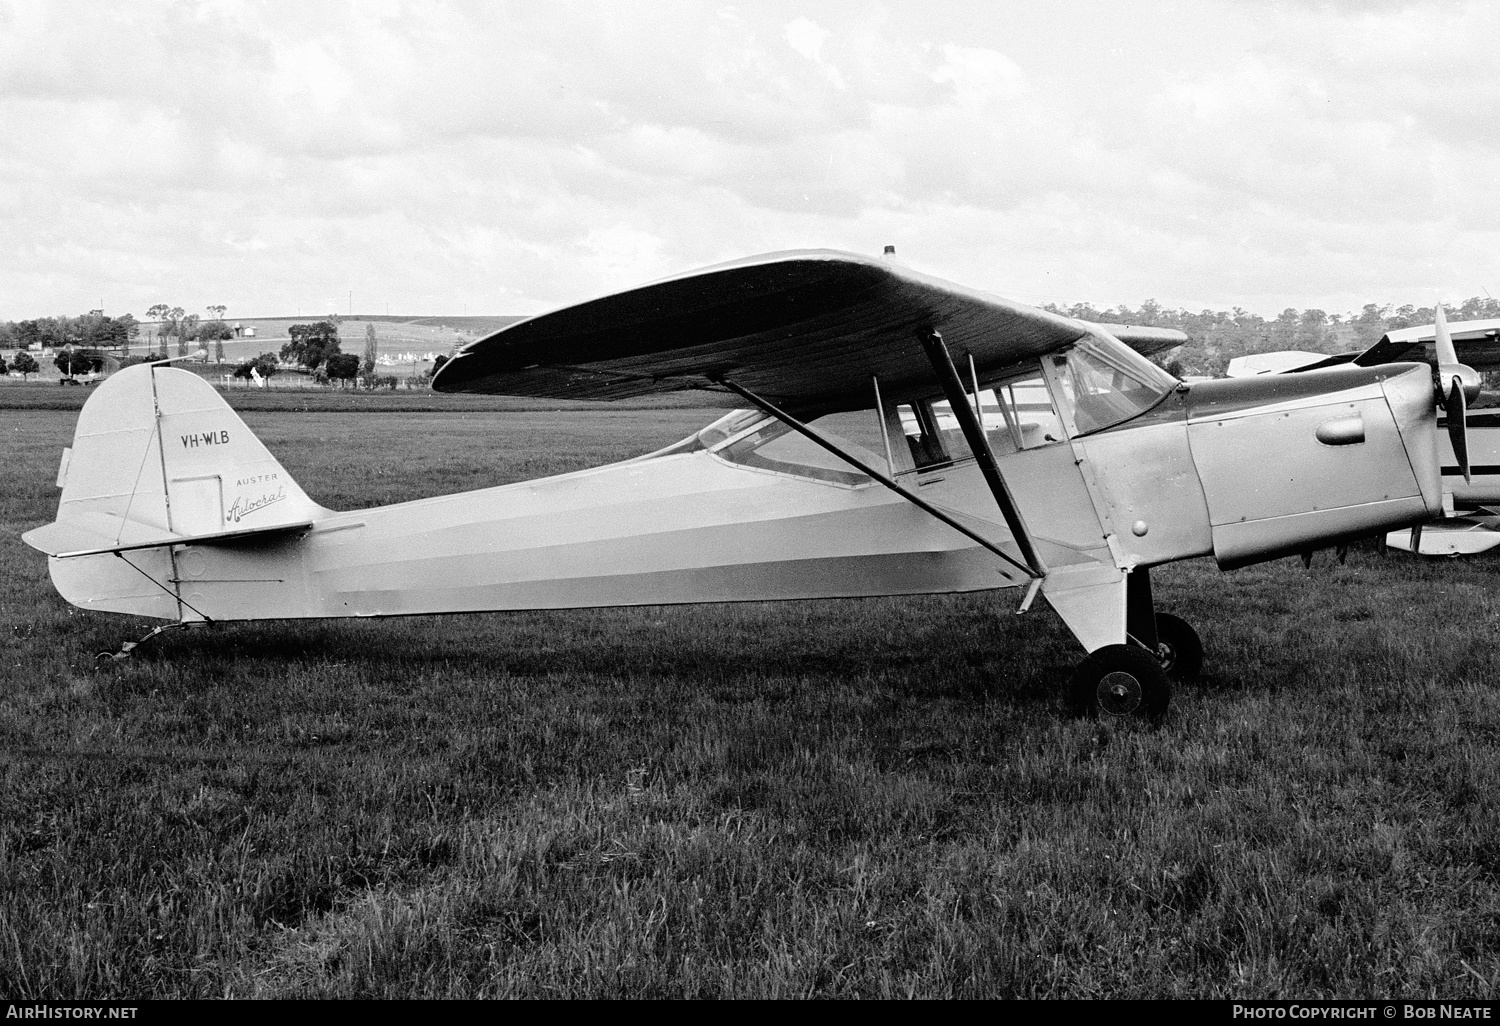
(103, 659)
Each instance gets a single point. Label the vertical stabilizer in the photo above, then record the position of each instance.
(159, 457)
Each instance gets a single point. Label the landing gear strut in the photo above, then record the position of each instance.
(1134, 679)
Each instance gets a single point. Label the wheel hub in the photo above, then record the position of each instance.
(1120, 693)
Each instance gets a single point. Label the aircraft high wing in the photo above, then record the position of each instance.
(892, 433)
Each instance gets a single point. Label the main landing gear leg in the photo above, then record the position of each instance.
(1134, 679)
(1172, 638)
(104, 659)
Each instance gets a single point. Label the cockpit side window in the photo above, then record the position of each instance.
(932, 435)
(1027, 417)
(1016, 413)
(772, 445)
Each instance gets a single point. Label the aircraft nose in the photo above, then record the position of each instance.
(1409, 394)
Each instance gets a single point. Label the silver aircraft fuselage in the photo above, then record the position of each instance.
(1244, 470)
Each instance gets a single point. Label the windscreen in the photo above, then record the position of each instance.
(1104, 383)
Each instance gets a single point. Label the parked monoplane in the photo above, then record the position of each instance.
(895, 434)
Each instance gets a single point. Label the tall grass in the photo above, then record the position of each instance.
(874, 798)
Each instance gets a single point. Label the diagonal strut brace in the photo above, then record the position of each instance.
(767, 406)
(979, 445)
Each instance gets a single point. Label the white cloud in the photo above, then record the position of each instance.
(806, 37)
(509, 157)
(980, 77)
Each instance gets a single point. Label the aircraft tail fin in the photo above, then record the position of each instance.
(159, 458)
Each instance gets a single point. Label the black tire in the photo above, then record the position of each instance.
(1121, 681)
(1178, 647)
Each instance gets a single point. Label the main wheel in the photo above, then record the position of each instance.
(1120, 681)
(1177, 647)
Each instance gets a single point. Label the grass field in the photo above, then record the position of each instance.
(875, 798)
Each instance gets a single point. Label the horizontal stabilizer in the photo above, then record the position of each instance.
(93, 533)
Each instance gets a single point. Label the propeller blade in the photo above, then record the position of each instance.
(1443, 341)
(1458, 429)
(1457, 386)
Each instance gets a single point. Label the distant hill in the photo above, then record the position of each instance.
(481, 324)
(478, 324)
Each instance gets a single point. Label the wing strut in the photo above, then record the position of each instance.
(796, 425)
(979, 445)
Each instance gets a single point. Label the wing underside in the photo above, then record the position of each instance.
(808, 329)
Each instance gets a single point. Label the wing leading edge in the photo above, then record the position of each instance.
(807, 329)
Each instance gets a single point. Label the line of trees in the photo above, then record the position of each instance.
(97, 330)
(1215, 336)
(93, 329)
(186, 328)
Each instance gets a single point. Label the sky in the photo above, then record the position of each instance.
(492, 158)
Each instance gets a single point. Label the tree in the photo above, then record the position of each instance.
(213, 331)
(437, 364)
(311, 344)
(187, 331)
(158, 313)
(122, 330)
(3, 367)
(1284, 329)
(342, 366)
(71, 361)
(265, 365)
(25, 363)
(173, 327)
(216, 331)
(367, 365)
(1312, 330)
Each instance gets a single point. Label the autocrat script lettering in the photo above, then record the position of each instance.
(244, 506)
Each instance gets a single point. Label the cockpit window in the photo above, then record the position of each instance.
(727, 426)
(1104, 383)
(933, 436)
(772, 445)
(1017, 414)
(1024, 417)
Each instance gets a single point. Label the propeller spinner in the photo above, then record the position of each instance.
(1457, 385)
